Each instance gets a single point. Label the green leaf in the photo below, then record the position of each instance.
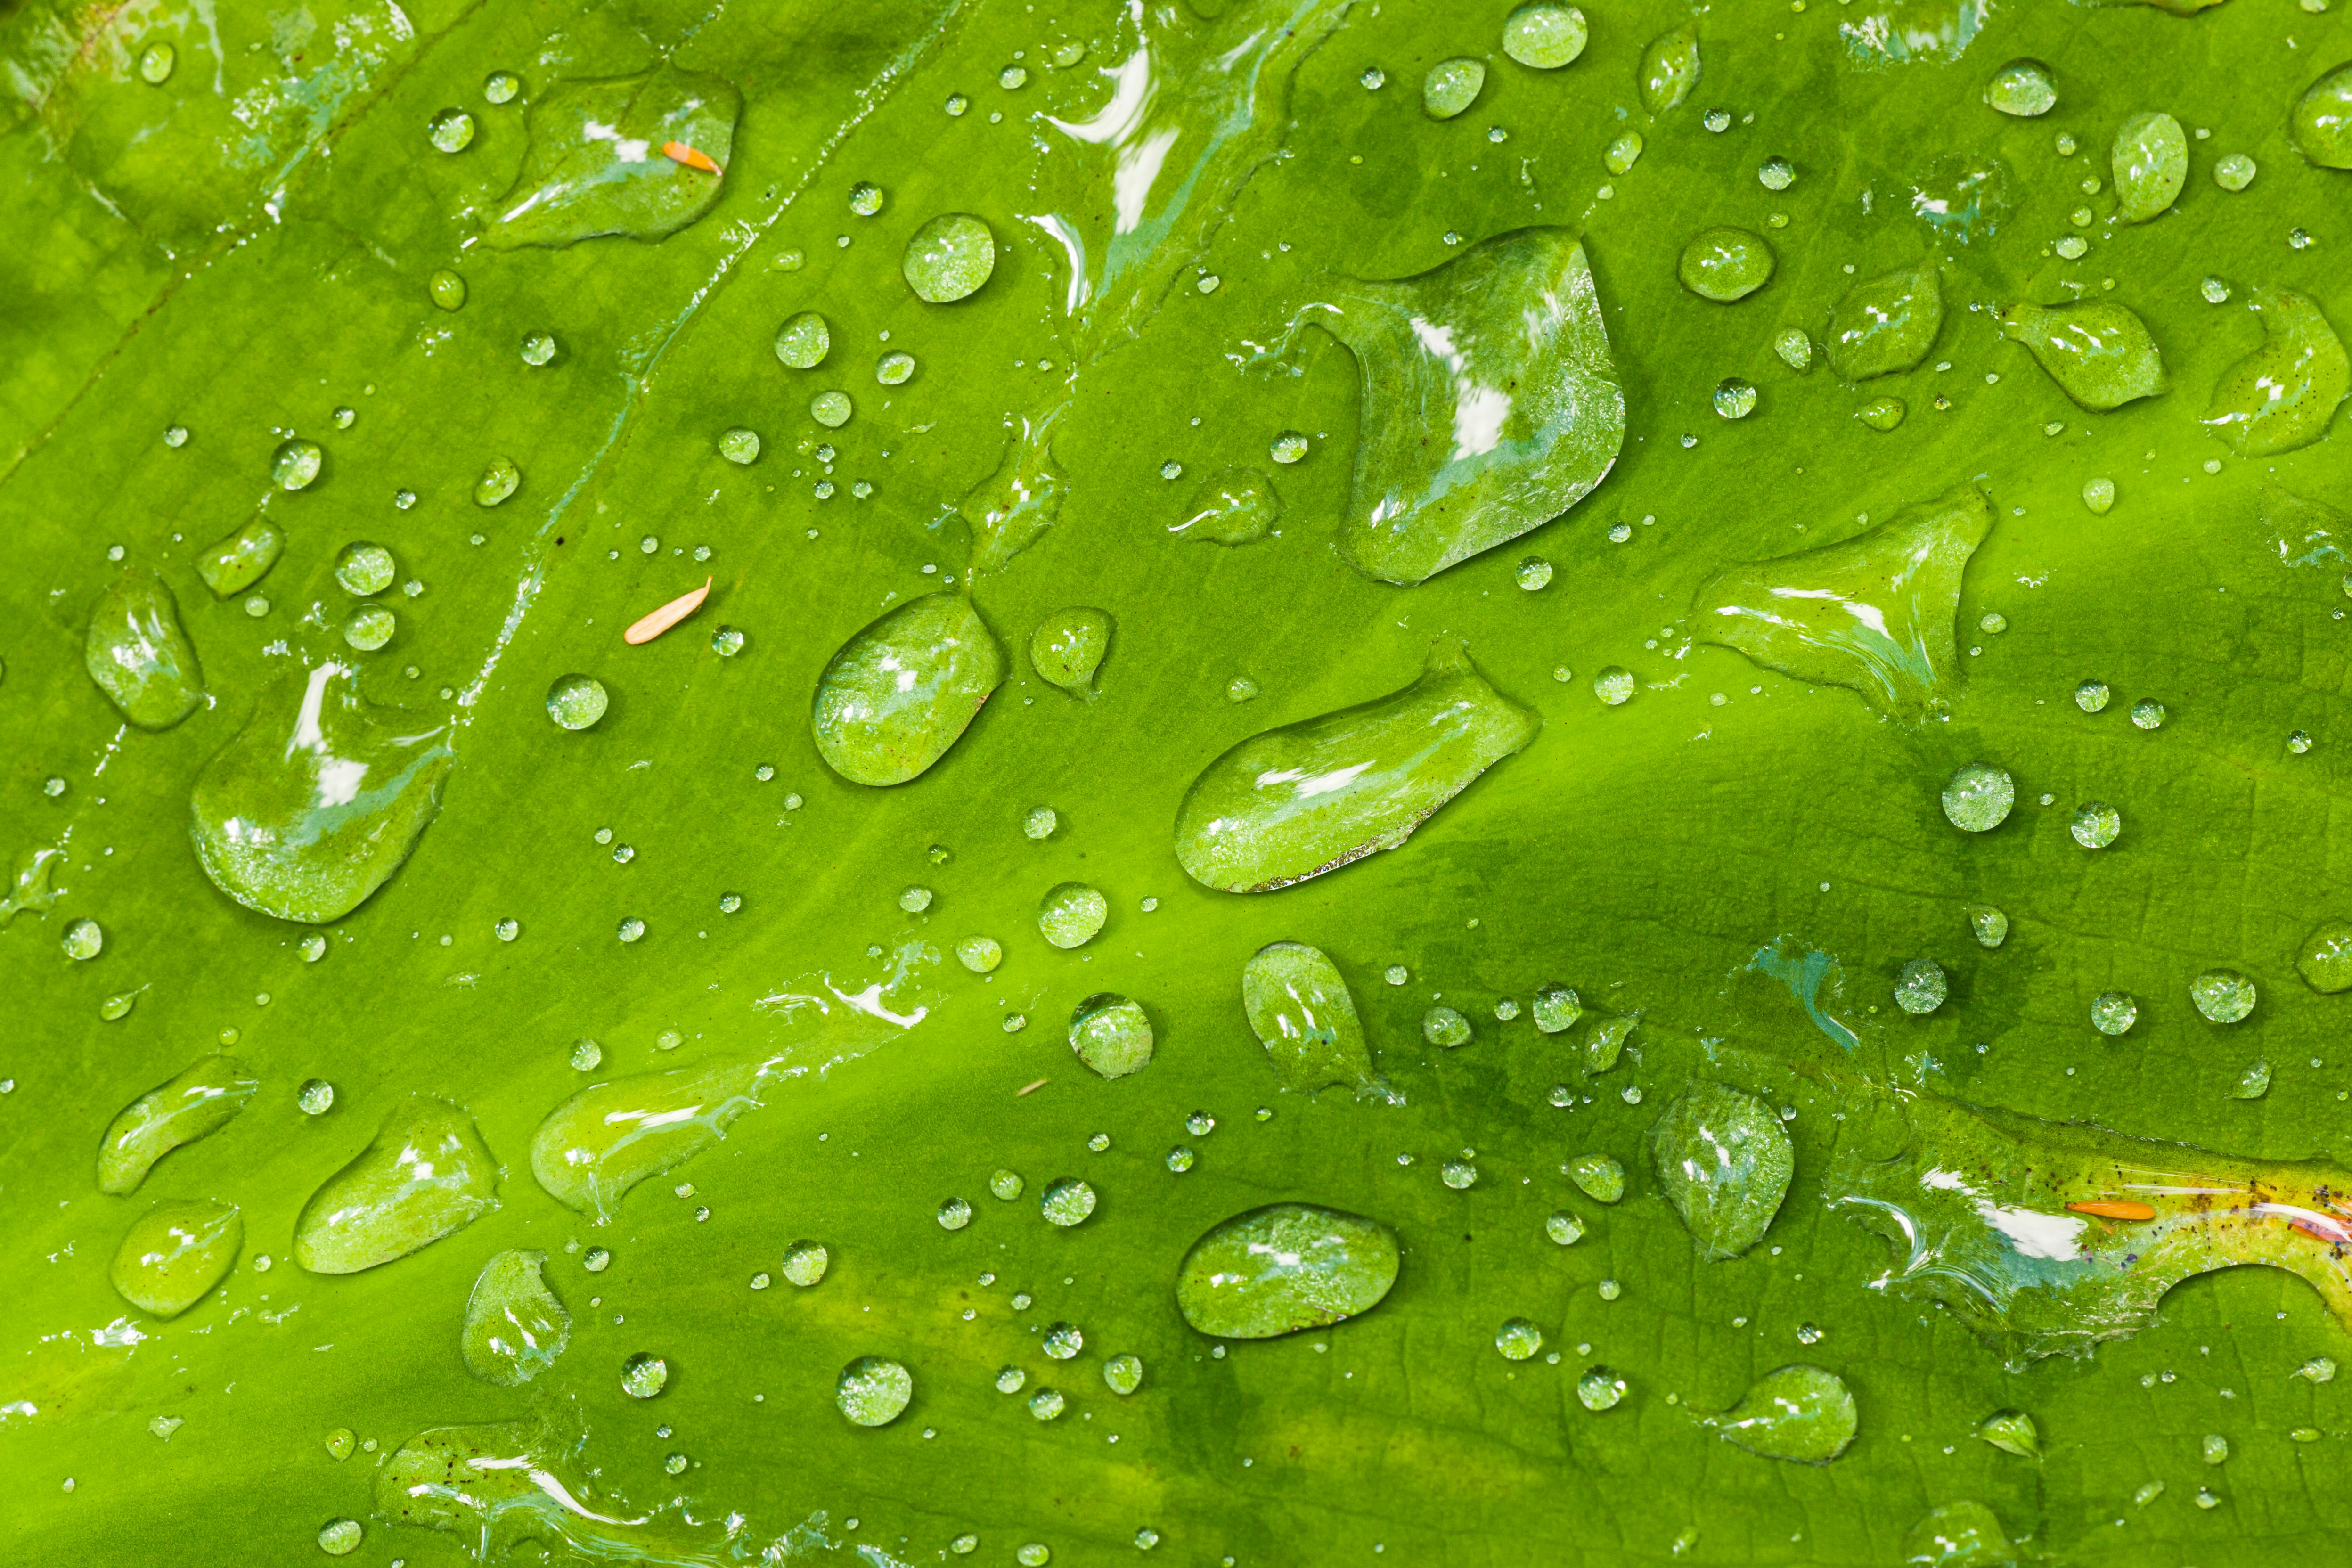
(683, 1001)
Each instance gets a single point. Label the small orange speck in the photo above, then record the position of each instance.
(691, 157)
(2115, 1208)
(668, 616)
(1028, 1088)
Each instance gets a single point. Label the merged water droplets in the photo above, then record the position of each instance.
(1308, 798)
(139, 655)
(175, 1252)
(2097, 351)
(2284, 395)
(318, 800)
(515, 1327)
(1802, 1412)
(600, 158)
(902, 692)
(205, 1096)
(1725, 1163)
(591, 1148)
(426, 1175)
(1302, 1012)
(1286, 1267)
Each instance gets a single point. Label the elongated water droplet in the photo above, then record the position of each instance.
(1007, 511)
(1598, 1176)
(1303, 1014)
(1238, 506)
(1886, 324)
(1111, 1034)
(1068, 647)
(1286, 1267)
(1299, 801)
(318, 800)
(426, 1175)
(1724, 1161)
(155, 63)
(2097, 351)
(1545, 36)
(900, 692)
(175, 1252)
(591, 1148)
(515, 1327)
(1452, 86)
(1874, 613)
(1803, 1413)
(139, 655)
(1505, 347)
(1724, 264)
(202, 1100)
(242, 559)
(2284, 395)
(1624, 153)
(588, 170)
(1669, 69)
(950, 259)
(2150, 162)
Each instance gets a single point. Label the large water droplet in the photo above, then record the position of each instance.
(1874, 613)
(1503, 348)
(242, 559)
(1452, 86)
(1072, 914)
(2322, 120)
(806, 1262)
(138, 655)
(591, 1148)
(1724, 264)
(515, 1327)
(1545, 36)
(175, 1252)
(1886, 324)
(2325, 959)
(1599, 1389)
(1724, 1161)
(203, 1100)
(949, 257)
(900, 692)
(426, 1175)
(1068, 1201)
(1238, 506)
(1303, 1014)
(1669, 69)
(2150, 162)
(1068, 647)
(1801, 1412)
(1111, 1034)
(1284, 1267)
(2283, 394)
(600, 158)
(318, 800)
(643, 1375)
(2097, 351)
(1299, 801)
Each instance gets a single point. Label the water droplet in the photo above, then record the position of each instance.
(1882, 413)
(2096, 824)
(1068, 647)
(1724, 1161)
(2298, 742)
(1960, 1535)
(631, 928)
(1921, 988)
(802, 342)
(155, 63)
(1599, 1389)
(1886, 324)
(2322, 120)
(452, 130)
(894, 369)
(117, 1008)
(1034, 1555)
(365, 569)
(1287, 448)
(1452, 86)
(316, 1096)
(1545, 36)
(1040, 822)
(1063, 1340)
(950, 259)
(1598, 1176)
(2283, 394)
(1517, 1339)
(1795, 349)
(138, 655)
(1735, 398)
(1978, 797)
(2233, 171)
(2150, 162)
(2091, 696)
(498, 482)
(426, 1175)
(1624, 153)
(242, 559)
(806, 1262)
(1286, 1267)
(1802, 1412)
(500, 86)
(2326, 958)
(831, 409)
(515, 1327)
(85, 938)
(1564, 1228)
(1047, 1404)
(577, 701)
(1716, 120)
(1068, 1201)
(740, 446)
(592, 1148)
(1724, 264)
(340, 1536)
(954, 1214)
(204, 1097)
(643, 1375)
(447, 289)
(1266, 814)
(2112, 1013)
(866, 199)
(901, 691)
(2222, 996)
(1072, 914)
(1614, 685)
(1302, 1012)
(175, 1252)
(1528, 352)
(1776, 173)
(980, 954)
(2147, 713)
(2024, 88)
(369, 627)
(1180, 1158)
(1669, 69)
(586, 171)
(1111, 1034)
(2097, 351)
(1237, 506)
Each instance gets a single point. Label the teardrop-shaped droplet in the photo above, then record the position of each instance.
(1068, 647)
(2151, 165)
(1299, 801)
(2322, 121)
(204, 1099)
(2284, 395)
(426, 1175)
(1803, 1413)
(1503, 349)
(1599, 1178)
(618, 155)
(1724, 1161)
(1874, 613)
(591, 1148)
(138, 655)
(515, 1327)
(900, 692)
(1111, 1034)
(2012, 1432)
(2097, 351)
(1303, 1014)
(241, 560)
(1669, 69)
(1886, 324)
(175, 1252)
(1238, 506)
(318, 800)
(1284, 1267)
(1011, 509)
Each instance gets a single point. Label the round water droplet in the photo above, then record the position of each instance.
(1564, 1228)
(954, 1214)
(631, 929)
(727, 641)
(1066, 1201)
(498, 482)
(1288, 447)
(2096, 824)
(1123, 1373)
(1452, 86)
(1011, 1380)
(446, 289)
(1047, 1404)
(2298, 742)
(1735, 398)
(2147, 713)
(577, 701)
(1040, 822)
(806, 1262)
(1012, 78)
(1613, 685)
(1599, 1176)
(915, 901)
(2233, 171)
(1776, 173)
(1716, 120)
(949, 257)
(1990, 924)
(83, 939)
(1882, 413)
(155, 63)
(1921, 987)
(295, 464)
(831, 409)
(802, 342)
(2113, 1012)
(1072, 914)
(1724, 264)
(370, 627)
(1007, 1184)
(740, 446)
(2222, 996)
(1240, 688)
(866, 199)
(586, 1055)
(2091, 696)
(644, 1374)
(1459, 1174)
(1545, 36)
(596, 1259)
(364, 569)
(894, 369)
(2321, 122)
(1533, 574)
(2024, 88)
(1063, 1340)
(341, 1537)
(1979, 796)
(981, 954)
(316, 1096)
(452, 130)
(1444, 1027)
(1599, 1389)
(874, 1390)
(1034, 1555)
(500, 86)
(1180, 1158)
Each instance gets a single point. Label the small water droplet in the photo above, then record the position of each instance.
(452, 130)
(447, 289)
(83, 940)
(498, 482)
(500, 86)
(1614, 685)
(1599, 1389)
(1735, 398)
(2113, 1012)
(866, 199)
(1452, 86)
(631, 929)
